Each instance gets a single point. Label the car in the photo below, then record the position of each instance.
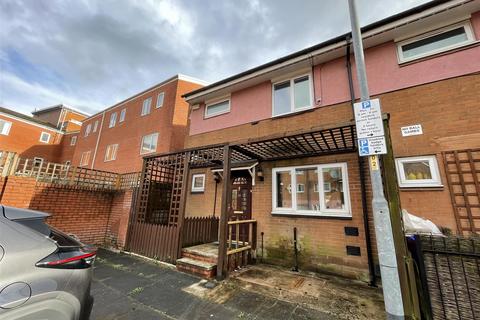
(44, 273)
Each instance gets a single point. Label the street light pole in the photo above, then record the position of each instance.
(381, 213)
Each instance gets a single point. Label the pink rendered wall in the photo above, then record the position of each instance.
(331, 82)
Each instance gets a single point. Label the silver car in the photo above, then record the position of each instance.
(44, 273)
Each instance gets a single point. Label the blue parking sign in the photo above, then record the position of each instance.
(366, 104)
(363, 147)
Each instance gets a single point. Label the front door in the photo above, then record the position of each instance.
(241, 202)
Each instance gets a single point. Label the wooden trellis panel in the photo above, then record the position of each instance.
(462, 168)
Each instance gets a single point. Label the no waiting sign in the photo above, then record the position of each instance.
(368, 119)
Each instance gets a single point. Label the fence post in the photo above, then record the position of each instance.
(72, 178)
(118, 181)
(223, 225)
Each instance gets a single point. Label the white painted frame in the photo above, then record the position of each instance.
(73, 140)
(123, 114)
(95, 126)
(88, 129)
(48, 135)
(323, 212)
(468, 31)
(291, 90)
(113, 120)
(161, 94)
(403, 182)
(156, 143)
(215, 102)
(146, 107)
(6, 127)
(198, 189)
(114, 153)
(85, 156)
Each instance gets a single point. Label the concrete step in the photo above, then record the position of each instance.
(200, 268)
(203, 252)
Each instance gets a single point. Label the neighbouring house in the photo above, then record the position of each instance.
(47, 136)
(286, 133)
(154, 120)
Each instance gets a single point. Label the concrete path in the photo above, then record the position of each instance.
(126, 287)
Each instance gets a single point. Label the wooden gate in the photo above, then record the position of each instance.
(462, 168)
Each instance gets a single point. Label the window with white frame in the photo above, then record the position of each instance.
(113, 120)
(198, 182)
(45, 137)
(147, 104)
(149, 143)
(160, 98)
(37, 162)
(85, 158)
(5, 127)
(111, 152)
(306, 198)
(88, 129)
(95, 126)
(217, 108)
(122, 115)
(292, 95)
(434, 42)
(418, 172)
(73, 140)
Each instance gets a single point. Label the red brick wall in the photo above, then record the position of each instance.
(97, 217)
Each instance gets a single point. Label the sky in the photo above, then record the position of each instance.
(91, 54)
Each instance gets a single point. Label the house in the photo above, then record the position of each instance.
(285, 132)
(48, 135)
(154, 120)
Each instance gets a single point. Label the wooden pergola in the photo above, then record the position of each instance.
(163, 187)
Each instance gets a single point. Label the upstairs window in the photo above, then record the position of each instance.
(292, 95)
(88, 129)
(5, 127)
(217, 108)
(111, 152)
(73, 140)
(160, 98)
(85, 159)
(147, 104)
(122, 115)
(95, 126)
(113, 120)
(45, 137)
(435, 42)
(149, 143)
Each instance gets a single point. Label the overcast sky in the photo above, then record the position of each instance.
(91, 54)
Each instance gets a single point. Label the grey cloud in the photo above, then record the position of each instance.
(106, 50)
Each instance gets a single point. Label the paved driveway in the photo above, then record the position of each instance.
(126, 287)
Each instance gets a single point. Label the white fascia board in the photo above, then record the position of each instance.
(33, 123)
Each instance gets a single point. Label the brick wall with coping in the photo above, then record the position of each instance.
(96, 217)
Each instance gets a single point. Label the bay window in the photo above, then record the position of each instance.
(296, 190)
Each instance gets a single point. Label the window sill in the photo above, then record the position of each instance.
(322, 215)
(215, 115)
(197, 191)
(422, 188)
(303, 110)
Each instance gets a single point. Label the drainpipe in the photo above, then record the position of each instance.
(98, 140)
(361, 169)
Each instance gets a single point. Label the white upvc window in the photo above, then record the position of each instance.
(85, 158)
(45, 137)
(415, 172)
(332, 199)
(198, 182)
(5, 127)
(160, 98)
(149, 143)
(73, 140)
(111, 152)
(217, 108)
(37, 162)
(436, 41)
(113, 120)
(122, 115)
(95, 126)
(147, 104)
(88, 129)
(292, 95)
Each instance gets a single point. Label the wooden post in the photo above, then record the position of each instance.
(72, 177)
(226, 203)
(183, 200)
(404, 259)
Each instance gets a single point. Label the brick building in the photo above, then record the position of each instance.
(424, 67)
(48, 135)
(154, 120)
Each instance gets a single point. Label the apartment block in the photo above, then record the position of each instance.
(152, 121)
